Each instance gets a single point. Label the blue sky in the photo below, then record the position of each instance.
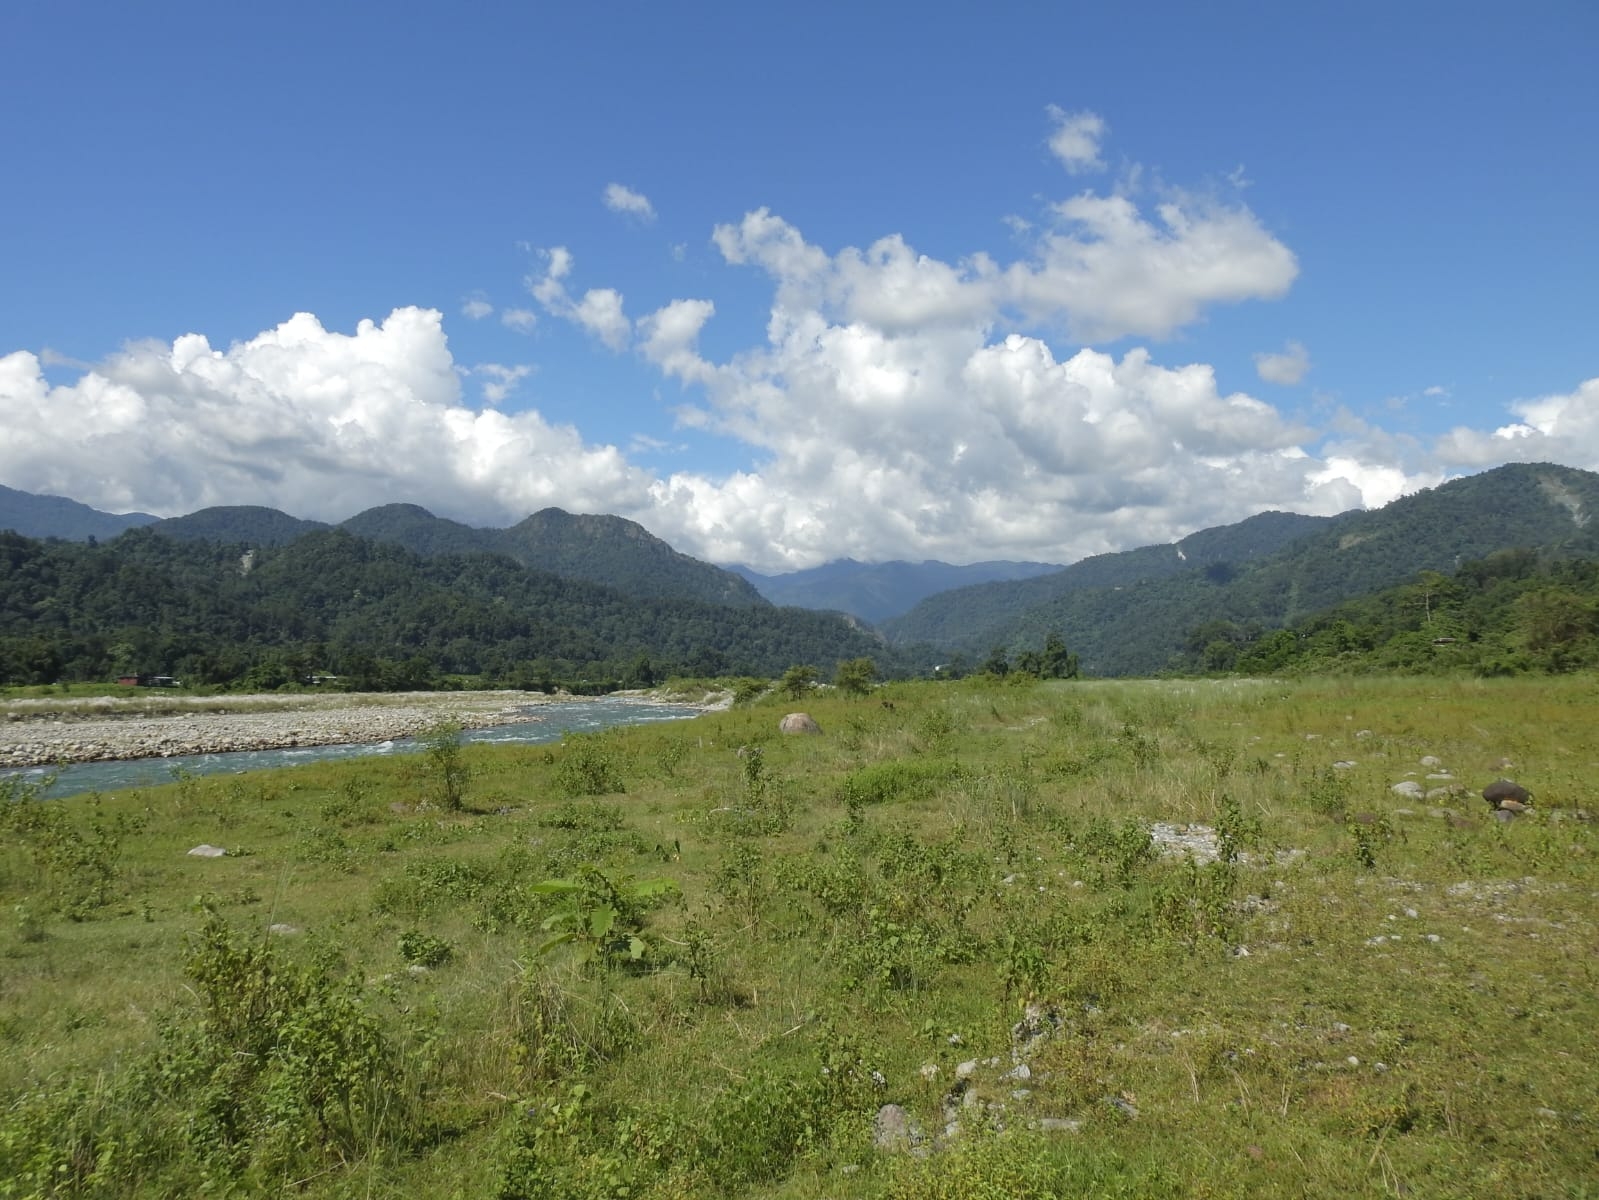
(1031, 282)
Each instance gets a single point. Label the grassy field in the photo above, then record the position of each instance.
(700, 958)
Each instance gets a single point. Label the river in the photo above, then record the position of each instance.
(552, 722)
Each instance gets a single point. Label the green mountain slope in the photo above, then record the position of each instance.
(621, 554)
(973, 619)
(38, 516)
(1513, 612)
(1148, 625)
(607, 550)
(237, 524)
(368, 611)
(419, 531)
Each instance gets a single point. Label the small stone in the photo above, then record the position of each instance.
(1344, 764)
(1059, 1125)
(1020, 1072)
(1409, 789)
(1124, 1106)
(1433, 937)
(955, 1039)
(283, 930)
(1412, 913)
(798, 723)
(205, 851)
(1431, 760)
(929, 1071)
(1020, 1093)
(966, 1069)
(893, 1129)
(1352, 1061)
(1381, 1068)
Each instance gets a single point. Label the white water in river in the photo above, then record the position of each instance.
(546, 723)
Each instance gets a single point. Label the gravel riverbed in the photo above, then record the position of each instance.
(42, 733)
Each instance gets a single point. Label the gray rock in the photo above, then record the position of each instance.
(1431, 760)
(1409, 789)
(1039, 1023)
(1124, 1106)
(205, 851)
(894, 1131)
(282, 929)
(798, 723)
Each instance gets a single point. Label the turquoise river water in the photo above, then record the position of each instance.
(546, 723)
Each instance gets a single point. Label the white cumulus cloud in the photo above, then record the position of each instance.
(1075, 139)
(475, 308)
(501, 380)
(1287, 368)
(1560, 428)
(318, 423)
(625, 200)
(599, 310)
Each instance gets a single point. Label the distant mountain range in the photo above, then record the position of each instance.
(610, 551)
(973, 617)
(55, 516)
(1135, 612)
(1132, 613)
(877, 591)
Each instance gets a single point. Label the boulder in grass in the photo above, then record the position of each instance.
(206, 851)
(1508, 795)
(799, 723)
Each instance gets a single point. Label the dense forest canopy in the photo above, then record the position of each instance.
(373, 614)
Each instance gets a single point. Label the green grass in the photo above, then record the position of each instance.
(755, 951)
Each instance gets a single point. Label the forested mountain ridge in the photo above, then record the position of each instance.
(373, 613)
(602, 549)
(876, 591)
(1515, 611)
(39, 516)
(237, 524)
(1150, 625)
(611, 551)
(975, 618)
(606, 550)
(621, 554)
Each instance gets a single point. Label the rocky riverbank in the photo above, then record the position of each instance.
(39, 733)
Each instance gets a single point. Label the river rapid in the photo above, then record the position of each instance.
(548, 722)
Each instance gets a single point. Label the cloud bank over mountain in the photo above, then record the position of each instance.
(899, 406)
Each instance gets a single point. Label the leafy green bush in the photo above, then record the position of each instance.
(896, 779)
(448, 773)
(588, 767)
(424, 950)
